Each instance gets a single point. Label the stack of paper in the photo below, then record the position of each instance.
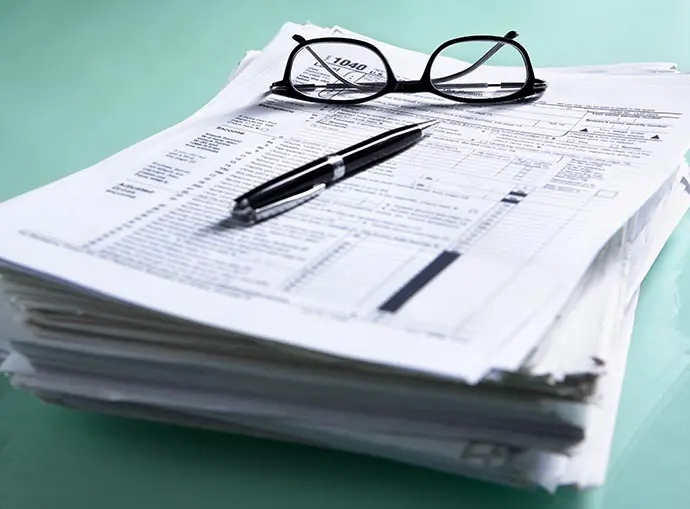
(135, 296)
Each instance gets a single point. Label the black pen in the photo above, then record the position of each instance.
(304, 183)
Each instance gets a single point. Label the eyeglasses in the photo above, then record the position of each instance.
(349, 71)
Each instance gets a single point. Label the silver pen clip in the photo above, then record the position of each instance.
(249, 215)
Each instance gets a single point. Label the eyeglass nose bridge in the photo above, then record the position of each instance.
(410, 87)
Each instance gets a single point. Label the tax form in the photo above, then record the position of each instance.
(452, 259)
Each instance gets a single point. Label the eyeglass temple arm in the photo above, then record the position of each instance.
(301, 39)
(486, 56)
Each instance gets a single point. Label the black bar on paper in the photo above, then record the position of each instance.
(510, 200)
(419, 281)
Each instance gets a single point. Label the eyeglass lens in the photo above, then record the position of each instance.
(470, 69)
(337, 71)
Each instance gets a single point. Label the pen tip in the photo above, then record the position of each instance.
(242, 212)
(427, 124)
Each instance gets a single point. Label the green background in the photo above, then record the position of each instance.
(80, 80)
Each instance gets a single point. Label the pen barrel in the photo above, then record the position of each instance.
(378, 149)
(326, 170)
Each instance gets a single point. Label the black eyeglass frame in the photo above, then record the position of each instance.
(531, 89)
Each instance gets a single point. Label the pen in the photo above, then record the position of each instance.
(306, 182)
